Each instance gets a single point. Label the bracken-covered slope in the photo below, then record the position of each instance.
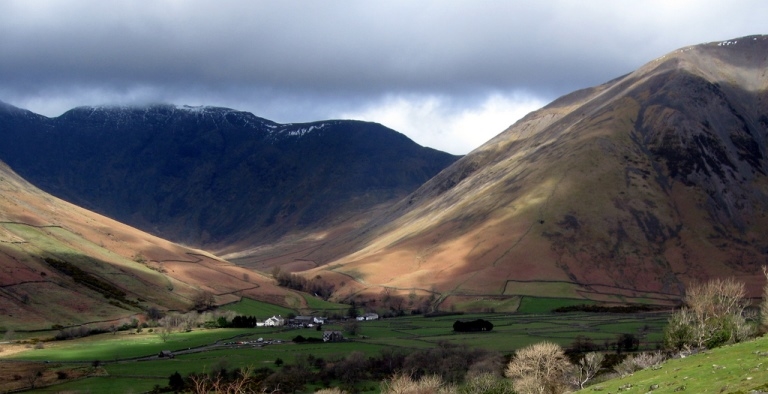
(214, 177)
(64, 265)
(622, 192)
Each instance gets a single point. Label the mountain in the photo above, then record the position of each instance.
(621, 192)
(215, 177)
(63, 265)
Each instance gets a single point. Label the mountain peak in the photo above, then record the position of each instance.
(629, 189)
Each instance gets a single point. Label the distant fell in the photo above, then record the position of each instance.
(214, 177)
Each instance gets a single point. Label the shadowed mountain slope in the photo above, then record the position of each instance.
(64, 265)
(621, 192)
(214, 177)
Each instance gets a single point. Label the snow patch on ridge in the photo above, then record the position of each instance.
(287, 131)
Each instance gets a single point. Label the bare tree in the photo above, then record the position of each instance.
(587, 368)
(764, 304)
(203, 300)
(352, 327)
(539, 368)
(713, 316)
(403, 383)
(165, 329)
(34, 375)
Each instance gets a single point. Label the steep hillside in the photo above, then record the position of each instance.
(214, 177)
(737, 368)
(63, 265)
(621, 192)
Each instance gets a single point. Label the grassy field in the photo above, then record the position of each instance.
(739, 368)
(117, 353)
(261, 310)
(125, 345)
(546, 305)
(325, 308)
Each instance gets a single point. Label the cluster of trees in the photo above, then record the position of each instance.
(242, 322)
(450, 363)
(170, 323)
(316, 285)
(94, 283)
(472, 326)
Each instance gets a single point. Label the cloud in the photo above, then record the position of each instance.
(440, 122)
(294, 61)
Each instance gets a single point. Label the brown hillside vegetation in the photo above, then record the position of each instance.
(63, 265)
(622, 192)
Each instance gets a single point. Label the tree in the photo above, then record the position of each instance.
(712, 316)
(176, 382)
(351, 327)
(764, 304)
(153, 313)
(403, 383)
(203, 300)
(587, 368)
(352, 311)
(35, 375)
(539, 368)
(165, 329)
(627, 342)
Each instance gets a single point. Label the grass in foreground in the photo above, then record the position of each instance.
(739, 368)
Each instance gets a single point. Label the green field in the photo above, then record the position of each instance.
(739, 368)
(108, 347)
(261, 310)
(325, 308)
(118, 353)
(546, 305)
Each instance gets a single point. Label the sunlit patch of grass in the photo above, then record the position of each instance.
(482, 304)
(320, 305)
(261, 310)
(546, 305)
(537, 288)
(112, 347)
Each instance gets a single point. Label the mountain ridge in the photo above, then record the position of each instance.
(176, 171)
(622, 192)
(61, 266)
(627, 190)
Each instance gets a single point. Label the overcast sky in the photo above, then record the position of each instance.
(449, 74)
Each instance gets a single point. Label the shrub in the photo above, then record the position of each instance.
(638, 362)
(332, 390)
(539, 368)
(405, 384)
(486, 383)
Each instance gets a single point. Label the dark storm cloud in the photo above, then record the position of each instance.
(295, 61)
